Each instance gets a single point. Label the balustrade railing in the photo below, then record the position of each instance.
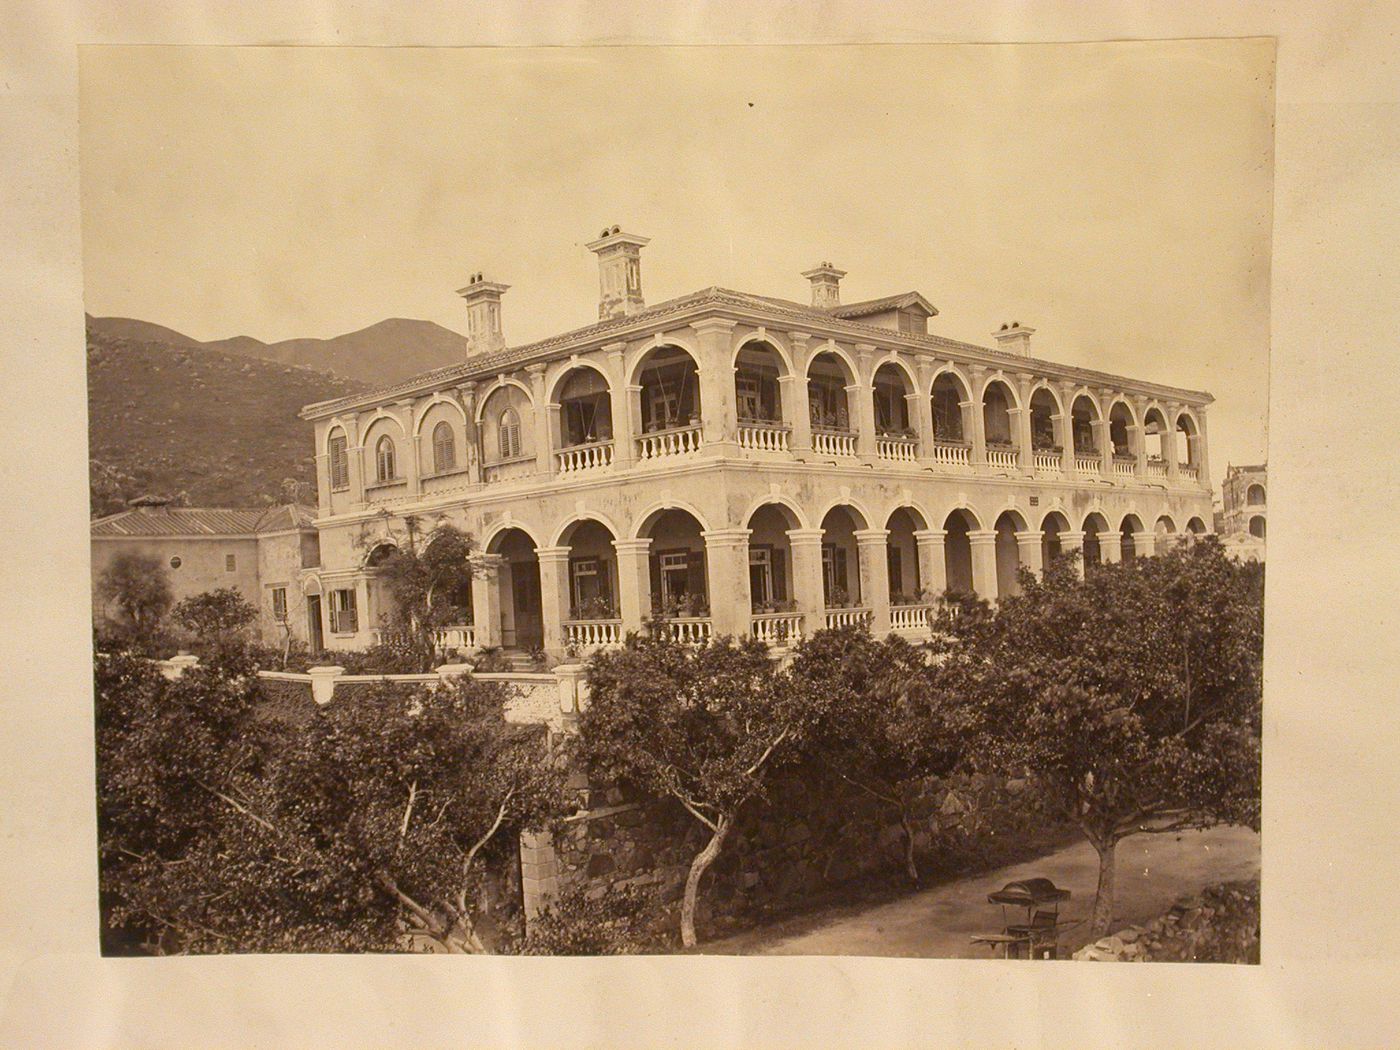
(897, 448)
(1124, 468)
(847, 617)
(1047, 461)
(1156, 468)
(592, 634)
(691, 630)
(909, 617)
(1002, 458)
(829, 442)
(776, 629)
(1189, 470)
(758, 436)
(677, 441)
(578, 458)
(954, 454)
(461, 636)
(1088, 463)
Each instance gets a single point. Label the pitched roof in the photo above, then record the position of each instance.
(889, 302)
(154, 519)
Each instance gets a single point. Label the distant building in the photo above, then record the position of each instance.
(261, 553)
(1244, 510)
(734, 463)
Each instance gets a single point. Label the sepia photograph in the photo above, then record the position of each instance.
(732, 500)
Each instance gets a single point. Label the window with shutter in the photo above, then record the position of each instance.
(279, 603)
(510, 434)
(344, 615)
(340, 463)
(384, 466)
(444, 448)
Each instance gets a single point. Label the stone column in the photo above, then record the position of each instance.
(366, 620)
(717, 410)
(624, 445)
(920, 411)
(863, 406)
(933, 565)
(984, 562)
(544, 441)
(1071, 540)
(1170, 452)
(1137, 442)
(1201, 457)
(799, 411)
(633, 582)
(1064, 437)
(356, 463)
(806, 547)
(1021, 427)
(1145, 544)
(486, 599)
(972, 412)
(1103, 438)
(1029, 550)
(871, 546)
(634, 416)
(1111, 546)
(554, 595)
(727, 570)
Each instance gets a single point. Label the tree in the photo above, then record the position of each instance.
(706, 726)
(215, 613)
(430, 583)
(137, 585)
(369, 823)
(1133, 696)
(873, 730)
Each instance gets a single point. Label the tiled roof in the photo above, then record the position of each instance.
(202, 521)
(879, 306)
(487, 365)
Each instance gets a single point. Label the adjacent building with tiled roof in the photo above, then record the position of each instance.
(743, 464)
(260, 552)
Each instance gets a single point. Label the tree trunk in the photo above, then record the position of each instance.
(698, 867)
(907, 823)
(1103, 899)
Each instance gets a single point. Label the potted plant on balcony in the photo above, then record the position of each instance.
(838, 599)
(599, 607)
(694, 605)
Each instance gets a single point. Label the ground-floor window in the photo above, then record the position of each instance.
(345, 617)
(835, 580)
(591, 588)
(767, 580)
(279, 603)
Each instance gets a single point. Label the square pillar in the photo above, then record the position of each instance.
(1103, 441)
(544, 440)
(933, 566)
(1021, 424)
(554, 595)
(717, 408)
(972, 413)
(633, 582)
(1074, 541)
(920, 411)
(634, 417)
(727, 572)
(1111, 546)
(865, 401)
(1029, 551)
(1064, 437)
(1145, 544)
(871, 547)
(623, 434)
(539, 872)
(1170, 451)
(486, 599)
(798, 411)
(983, 543)
(807, 594)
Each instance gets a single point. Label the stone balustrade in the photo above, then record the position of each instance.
(764, 437)
(952, 454)
(852, 617)
(776, 629)
(1002, 458)
(897, 448)
(461, 636)
(592, 634)
(579, 458)
(827, 442)
(909, 617)
(1047, 461)
(1088, 463)
(690, 630)
(1124, 467)
(677, 441)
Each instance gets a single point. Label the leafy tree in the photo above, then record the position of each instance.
(369, 823)
(704, 725)
(137, 585)
(429, 579)
(1133, 696)
(875, 731)
(215, 613)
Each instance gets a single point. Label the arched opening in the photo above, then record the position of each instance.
(1256, 526)
(1008, 553)
(1187, 437)
(592, 570)
(757, 388)
(444, 448)
(382, 606)
(957, 550)
(670, 383)
(585, 408)
(1120, 422)
(1043, 412)
(1154, 439)
(1254, 496)
(902, 557)
(827, 379)
(996, 415)
(890, 390)
(507, 428)
(1196, 527)
(1083, 415)
(522, 619)
(1095, 525)
(841, 582)
(679, 586)
(455, 599)
(770, 558)
(948, 398)
(1132, 525)
(1051, 545)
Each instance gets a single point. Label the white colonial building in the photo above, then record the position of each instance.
(739, 464)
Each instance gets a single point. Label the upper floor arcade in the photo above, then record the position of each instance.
(723, 375)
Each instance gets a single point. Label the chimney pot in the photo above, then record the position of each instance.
(1015, 338)
(826, 285)
(483, 298)
(619, 272)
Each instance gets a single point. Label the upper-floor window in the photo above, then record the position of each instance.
(384, 467)
(585, 408)
(230, 563)
(509, 431)
(1255, 495)
(340, 462)
(444, 448)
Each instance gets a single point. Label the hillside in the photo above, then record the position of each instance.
(184, 419)
(380, 355)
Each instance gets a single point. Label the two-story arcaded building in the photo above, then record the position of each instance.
(740, 464)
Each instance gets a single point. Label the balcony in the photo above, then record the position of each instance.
(1156, 468)
(911, 618)
(689, 630)
(462, 636)
(1124, 466)
(897, 448)
(764, 436)
(1047, 462)
(953, 455)
(778, 629)
(1087, 461)
(852, 617)
(587, 635)
(674, 441)
(1001, 458)
(579, 458)
(832, 441)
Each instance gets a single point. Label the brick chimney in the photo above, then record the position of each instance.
(619, 272)
(1015, 337)
(484, 313)
(826, 285)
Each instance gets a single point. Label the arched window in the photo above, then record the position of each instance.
(1255, 496)
(384, 459)
(444, 448)
(510, 434)
(340, 462)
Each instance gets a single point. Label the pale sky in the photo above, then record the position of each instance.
(1116, 197)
